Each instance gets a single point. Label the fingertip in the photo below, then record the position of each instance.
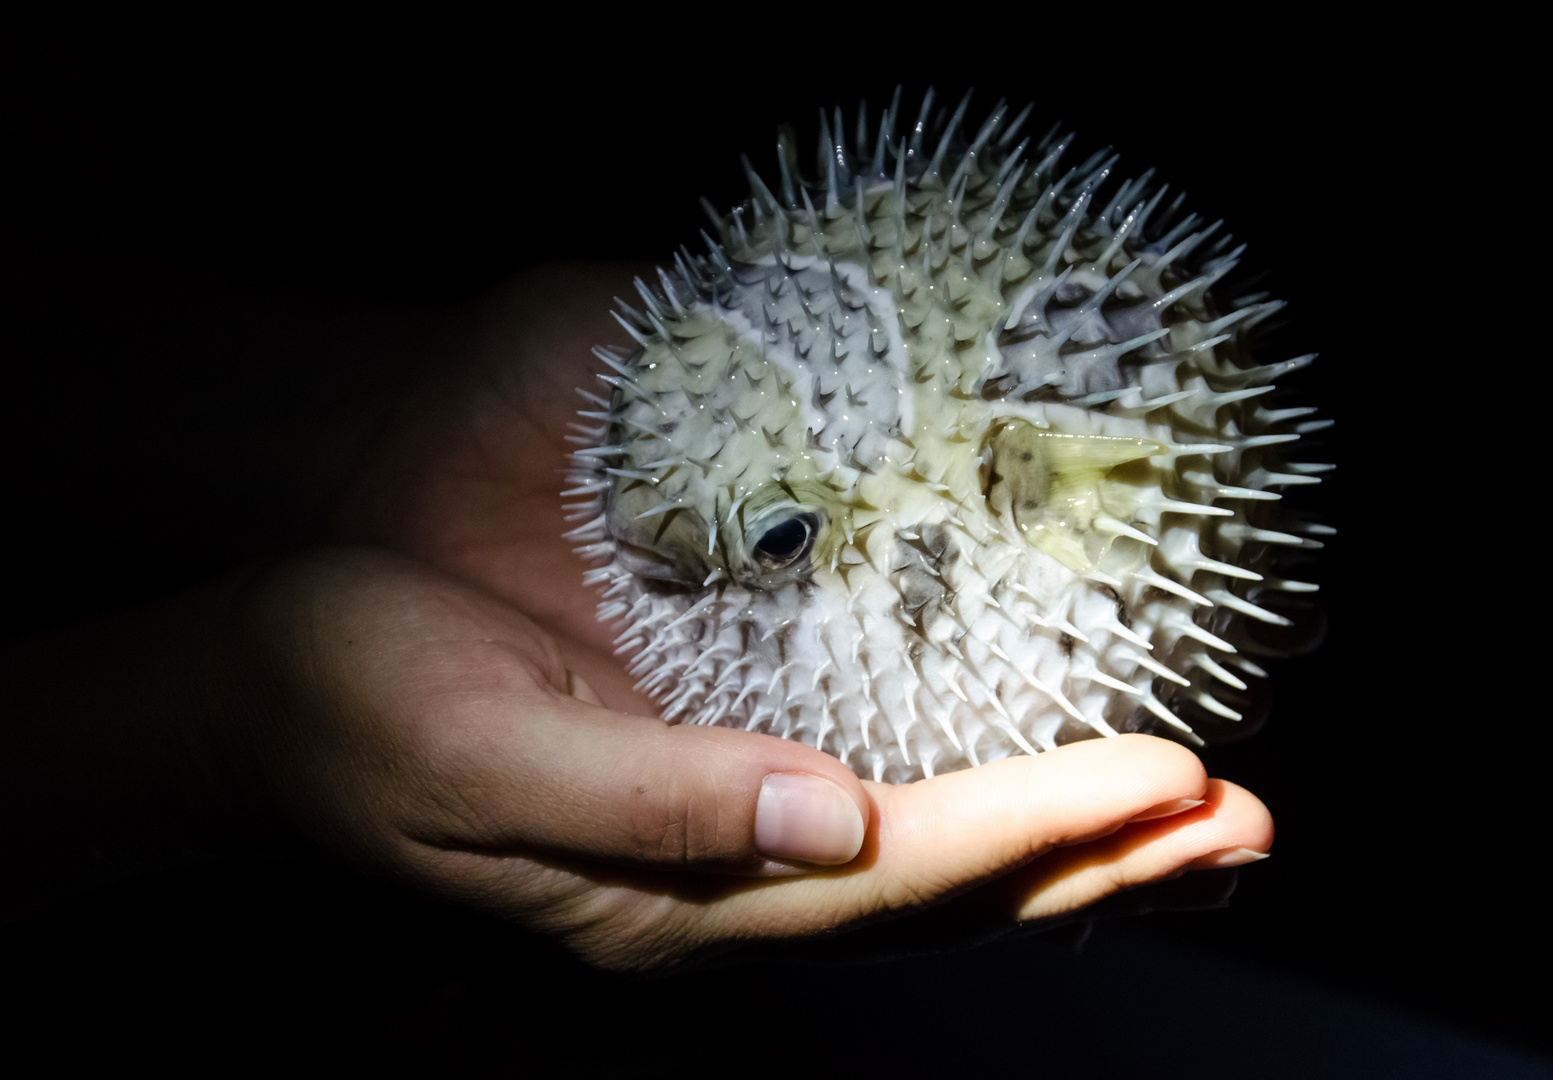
(1163, 763)
(688, 796)
(1243, 816)
(806, 818)
(1226, 858)
(1126, 778)
(1165, 756)
(1230, 827)
(1168, 808)
(810, 810)
(1169, 776)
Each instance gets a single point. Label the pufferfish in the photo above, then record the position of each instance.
(948, 454)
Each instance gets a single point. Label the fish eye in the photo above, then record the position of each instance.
(787, 541)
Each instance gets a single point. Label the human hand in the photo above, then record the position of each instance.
(421, 726)
(467, 480)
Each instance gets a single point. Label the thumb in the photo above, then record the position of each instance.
(581, 779)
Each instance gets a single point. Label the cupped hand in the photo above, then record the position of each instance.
(514, 764)
(417, 724)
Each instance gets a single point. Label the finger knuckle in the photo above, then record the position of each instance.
(680, 824)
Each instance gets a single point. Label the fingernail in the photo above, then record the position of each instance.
(1235, 856)
(581, 690)
(803, 817)
(1167, 809)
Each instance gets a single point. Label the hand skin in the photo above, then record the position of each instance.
(442, 706)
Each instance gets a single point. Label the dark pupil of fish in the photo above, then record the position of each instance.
(785, 543)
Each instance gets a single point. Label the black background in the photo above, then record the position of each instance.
(219, 242)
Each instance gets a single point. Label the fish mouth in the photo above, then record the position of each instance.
(658, 573)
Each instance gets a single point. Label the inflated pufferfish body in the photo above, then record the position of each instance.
(946, 456)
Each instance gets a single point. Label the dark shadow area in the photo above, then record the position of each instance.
(289, 965)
